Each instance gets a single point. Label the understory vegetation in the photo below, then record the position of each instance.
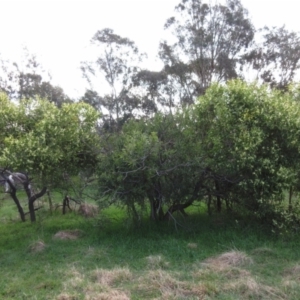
(236, 149)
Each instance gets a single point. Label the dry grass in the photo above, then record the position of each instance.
(217, 275)
(249, 288)
(38, 246)
(156, 262)
(95, 286)
(88, 210)
(293, 272)
(291, 277)
(192, 245)
(65, 296)
(110, 277)
(109, 295)
(226, 270)
(169, 287)
(68, 234)
(229, 259)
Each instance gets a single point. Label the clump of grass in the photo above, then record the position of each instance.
(291, 277)
(192, 245)
(110, 277)
(96, 285)
(65, 296)
(88, 210)
(249, 288)
(156, 262)
(170, 287)
(293, 271)
(68, 234)
(76, 278)
(38, 246)
(108, 295)
(229, 259)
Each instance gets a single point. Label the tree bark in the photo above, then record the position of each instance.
(50, 201)
(31, 202)
(290, 198)
(219, 203)
(66, 203)
(17, 202)
(13, 194)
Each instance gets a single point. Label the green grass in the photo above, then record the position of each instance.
(114, 260)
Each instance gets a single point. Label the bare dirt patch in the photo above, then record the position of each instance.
(68, 234)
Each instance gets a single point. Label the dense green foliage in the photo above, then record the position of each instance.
(238, 144)
(45, 140)
(250, 133)
(157, 144)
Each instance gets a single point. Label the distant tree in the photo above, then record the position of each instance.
(210, 42)
(158, 91)
(276, 59)
(27, 81)
(117, 61)
(92, 98)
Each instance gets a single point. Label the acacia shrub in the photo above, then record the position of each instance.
(152, 163)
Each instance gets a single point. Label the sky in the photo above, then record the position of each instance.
(58, 32)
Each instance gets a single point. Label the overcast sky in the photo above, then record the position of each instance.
(59, 31)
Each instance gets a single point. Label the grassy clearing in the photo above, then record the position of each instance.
(73, 257)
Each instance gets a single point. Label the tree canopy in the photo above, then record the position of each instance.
(40, 138)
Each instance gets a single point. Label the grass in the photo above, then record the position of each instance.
(204, 258)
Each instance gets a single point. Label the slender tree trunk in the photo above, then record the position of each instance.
(31, 211)
(50, 201)
(66, 203)
(219, 204)
(31, 202)
(13, 194)
(153, 215)
(209, 204)
(17, 202)
(136, 217)
(290, 198)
